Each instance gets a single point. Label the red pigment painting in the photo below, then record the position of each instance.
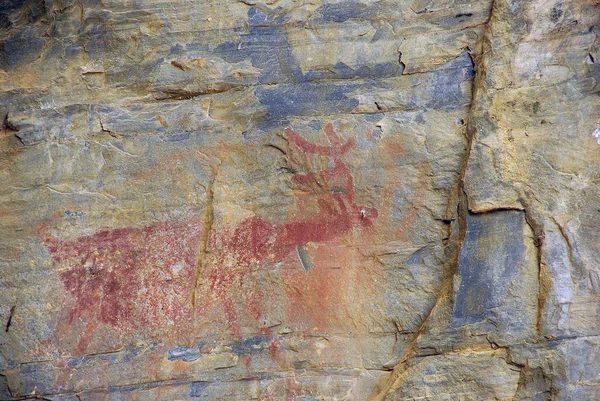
(143, 279)
(127, 279)
(239, 255)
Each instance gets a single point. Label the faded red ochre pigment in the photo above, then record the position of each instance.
(128, 279)
(136, 279)
(240, 254)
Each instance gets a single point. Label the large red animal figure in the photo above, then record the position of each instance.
(168, 279)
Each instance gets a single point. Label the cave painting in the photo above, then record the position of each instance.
(127, 280)
(144, 279)
(242, 252)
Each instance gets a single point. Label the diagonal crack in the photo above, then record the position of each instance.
(445, 289)
(10, 318)
(457, 204)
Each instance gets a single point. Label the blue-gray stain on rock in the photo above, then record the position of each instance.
(491, 256)
(446, 90)
(343, 71)
(298, 94)
(129, 355)
(20, 49)
(266, 32)
(197, 389)
(134, 387)
(305, 99)
(185, 354)
(251, 345)
(178, 137)
(4, 390)
(344, 10)
(27, 43)
(304, 258)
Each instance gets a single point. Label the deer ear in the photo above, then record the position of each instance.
(329, 130)
(334, 138)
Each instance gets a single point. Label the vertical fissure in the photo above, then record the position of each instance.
(458, 206)
(204, 241)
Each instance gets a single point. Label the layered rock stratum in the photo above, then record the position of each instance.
(300, 200)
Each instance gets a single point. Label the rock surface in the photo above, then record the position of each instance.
(284, 200)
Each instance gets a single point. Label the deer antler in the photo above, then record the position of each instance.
(334, 186)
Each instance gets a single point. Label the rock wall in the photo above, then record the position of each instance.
(286, 200)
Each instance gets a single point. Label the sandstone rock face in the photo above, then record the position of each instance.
(285, 200)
